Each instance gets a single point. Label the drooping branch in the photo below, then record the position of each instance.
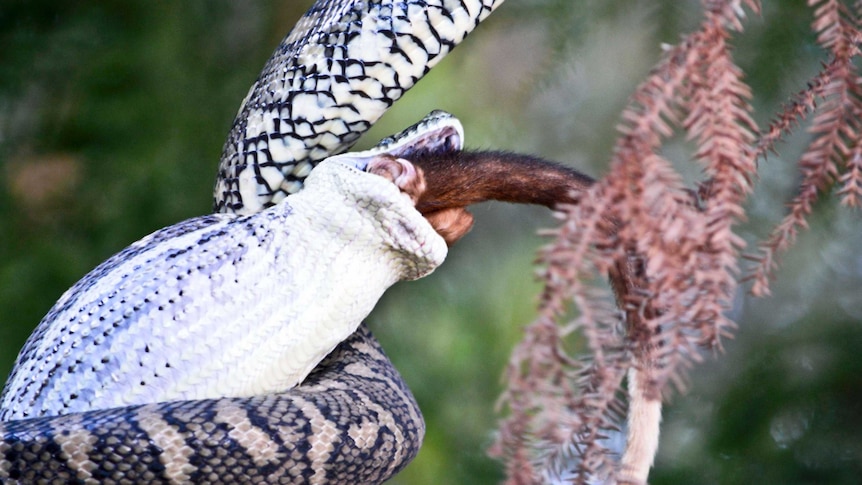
(673, 266)
(833, 155)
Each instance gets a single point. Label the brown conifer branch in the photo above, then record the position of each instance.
(721, 124)
(830, 156)
(797, 109)
(662, 226)
(540, 360)
(673, 262)
(851, 180)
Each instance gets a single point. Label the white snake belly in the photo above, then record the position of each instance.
(225, 305)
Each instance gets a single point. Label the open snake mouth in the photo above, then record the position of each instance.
(438, 132)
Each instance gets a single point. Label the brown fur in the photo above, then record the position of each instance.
(458, 179)
(448, 182)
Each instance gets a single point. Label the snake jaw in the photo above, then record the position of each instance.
(438, 135)
(451, 223)
(353, 160)
(409, 179)
(436, 132)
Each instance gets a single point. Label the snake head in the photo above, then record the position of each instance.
(451, 223)
(438, 134)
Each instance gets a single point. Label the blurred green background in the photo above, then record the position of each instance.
(112, 119)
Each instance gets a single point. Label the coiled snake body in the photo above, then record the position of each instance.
(352, 420)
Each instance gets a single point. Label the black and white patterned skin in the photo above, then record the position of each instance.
(352, 420)
(329, 80)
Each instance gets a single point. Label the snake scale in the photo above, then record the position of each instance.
(352, 420)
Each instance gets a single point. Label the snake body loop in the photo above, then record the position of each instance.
(355, 399)
(352, 420)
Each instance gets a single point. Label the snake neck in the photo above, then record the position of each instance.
(372, 213)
